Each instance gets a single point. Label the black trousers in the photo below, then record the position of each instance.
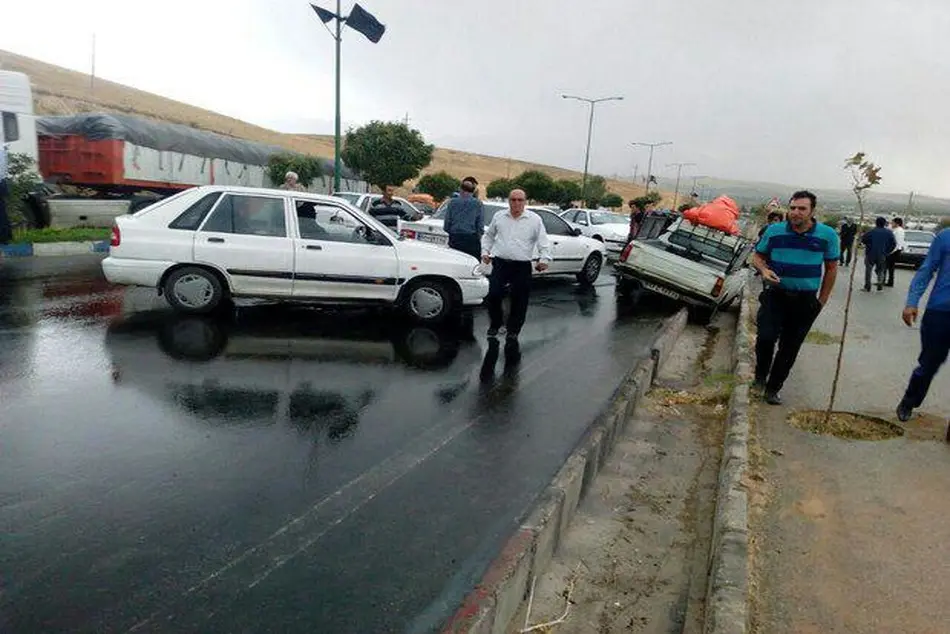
(847, 248)
(876, 264)
(785, 317)
(891, 266)
(934, 349)
(466, 243)
(6, 232)
(516, 275)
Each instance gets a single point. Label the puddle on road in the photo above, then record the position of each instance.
(847, 425)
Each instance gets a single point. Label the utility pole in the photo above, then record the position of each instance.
(652, 146)
(636, 168)
(590, 130)
(92, 74)
(679, 168)
(337, 163)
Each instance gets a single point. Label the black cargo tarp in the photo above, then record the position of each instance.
(167, 137)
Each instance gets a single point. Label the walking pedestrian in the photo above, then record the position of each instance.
(878, 242)
(509, 245)
(465, 219)
(848, 232)
(798, 261)
(292, 182)
(935, 325)
(6, 231)
(897, 228)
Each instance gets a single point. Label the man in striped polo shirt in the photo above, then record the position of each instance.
(798, 260)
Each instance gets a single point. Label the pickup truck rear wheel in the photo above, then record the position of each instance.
(591, 271)
(703, 314)
(192, 289)
(430, 301)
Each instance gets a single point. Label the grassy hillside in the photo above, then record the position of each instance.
(59, 91)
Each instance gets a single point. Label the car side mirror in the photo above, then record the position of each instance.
(576, 232)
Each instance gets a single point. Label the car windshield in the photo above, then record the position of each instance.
(607, 218)
(918, 236)
(350, 198)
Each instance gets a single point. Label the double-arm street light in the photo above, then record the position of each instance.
(652, 146)
(679, 169)
(590, 129)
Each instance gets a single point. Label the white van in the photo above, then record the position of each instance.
(17, 122)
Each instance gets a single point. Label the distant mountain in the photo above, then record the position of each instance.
(750, 193)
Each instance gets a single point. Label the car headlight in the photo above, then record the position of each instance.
(478, 271)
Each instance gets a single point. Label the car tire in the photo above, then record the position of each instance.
(591, 271)
(702, 315)
(430, 301)
(193, 290)
(626, 288)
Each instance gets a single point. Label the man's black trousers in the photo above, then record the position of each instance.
(515, 275)
(785, 317)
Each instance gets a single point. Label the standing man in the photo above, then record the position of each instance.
(935, 325)
(6, 232)
(897, 228)
(774, 217)
(636, 219)
(878, 243)
(465, 220)
(509, 245)
(797, 260)
(387, 209)
(849, 231)
(292, 182)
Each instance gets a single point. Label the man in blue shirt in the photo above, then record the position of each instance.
(465, 220)
(798, 261)
(878, 243)
(935, 325)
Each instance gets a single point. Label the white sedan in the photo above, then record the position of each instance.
(207, 244)
(572, 253)
(610, 228)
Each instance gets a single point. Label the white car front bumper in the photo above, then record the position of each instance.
(134, 272)
(473, 290)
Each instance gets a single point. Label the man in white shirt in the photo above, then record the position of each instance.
(509, 245)
(6, 233)
(897, 228)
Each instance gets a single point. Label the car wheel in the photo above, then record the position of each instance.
(192, 289)
(430, 301)
(591, 271)
(598, 238)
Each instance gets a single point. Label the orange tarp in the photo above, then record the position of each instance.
(721, 213)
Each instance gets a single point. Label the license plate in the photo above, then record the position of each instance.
(656, 288)
(428, 237)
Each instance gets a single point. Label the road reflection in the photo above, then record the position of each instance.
(314, 371)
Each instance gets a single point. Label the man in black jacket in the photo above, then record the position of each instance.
(878, 242)
(848, 232)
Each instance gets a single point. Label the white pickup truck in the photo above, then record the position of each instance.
(702, 267)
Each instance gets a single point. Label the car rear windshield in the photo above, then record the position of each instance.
(606, 218)
(918, 236)
(350, 198)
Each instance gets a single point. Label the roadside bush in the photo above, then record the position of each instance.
(500, 188)
(537, 185)
(612, 200)
(307, 168)
(22, 179)
(439, 185)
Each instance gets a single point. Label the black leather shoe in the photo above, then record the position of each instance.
(773, 398)
(904, 413)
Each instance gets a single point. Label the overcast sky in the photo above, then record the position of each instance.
(774, 90)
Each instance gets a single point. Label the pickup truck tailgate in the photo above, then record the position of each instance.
(675, 270)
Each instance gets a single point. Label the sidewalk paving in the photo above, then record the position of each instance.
(848, 536)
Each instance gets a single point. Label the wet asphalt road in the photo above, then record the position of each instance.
(284, 469)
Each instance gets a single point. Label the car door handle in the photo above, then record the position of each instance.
(215, 239)
(314, 247)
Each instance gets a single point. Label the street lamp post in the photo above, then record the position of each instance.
(590, 130)
(679, 169)
(652, 146)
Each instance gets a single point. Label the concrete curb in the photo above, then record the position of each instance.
(41, 249)
(728, 589)
(498, 597)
